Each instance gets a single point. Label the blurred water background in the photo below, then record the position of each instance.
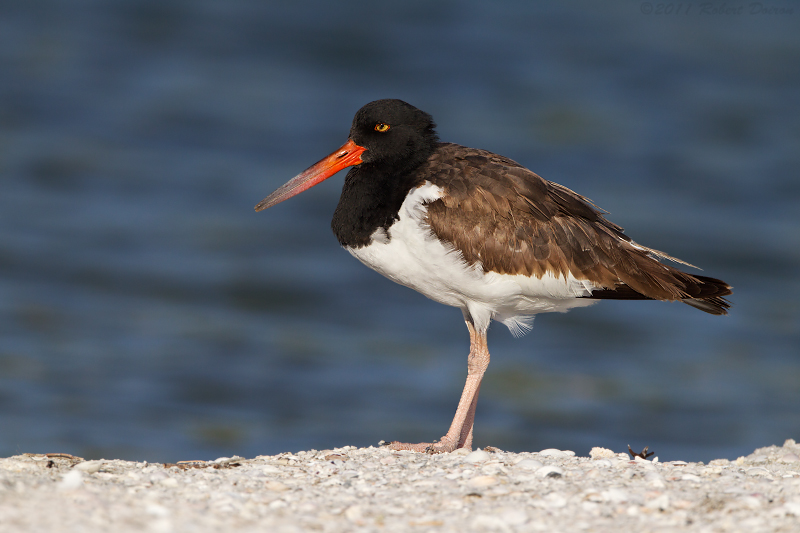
(146, 311)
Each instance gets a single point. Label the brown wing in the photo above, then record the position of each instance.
(512, 221)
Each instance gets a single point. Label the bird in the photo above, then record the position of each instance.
(478, 231)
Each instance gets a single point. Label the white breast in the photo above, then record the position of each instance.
(410, 254)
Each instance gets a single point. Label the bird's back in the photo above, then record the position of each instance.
(509, 220)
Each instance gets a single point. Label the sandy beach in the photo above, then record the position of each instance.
(375, 489)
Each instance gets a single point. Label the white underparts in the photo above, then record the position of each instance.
(410, 254)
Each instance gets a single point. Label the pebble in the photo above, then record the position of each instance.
(513, 517)
(552, 452)
(529, 464)
(71, 480)
(375, 489)
(169, 482)
(659, 503)
(555, 500)
(550, 471)
(482, 481)
(90, 467)
(478, 456)
(614, 495)
(601, 453)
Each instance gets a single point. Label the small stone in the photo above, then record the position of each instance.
(388, 460)
(749, 502)
(593, 473)
(601, 453)
(90, 467)
(555, 500)
(489, 522)
(601, 463)
(275, 486)
(478, 456)
(353, 513)
(614, 495)
(792, 508)
(790, 458)
(71, 480)
(660, 503)
(482, 481)
(155, 509)
(550, 471)
(690, 477)
(590, 507)
(514, 517)
(529, 464)
(757, 471)
(552, 452)
(157, 477)
(681, 504)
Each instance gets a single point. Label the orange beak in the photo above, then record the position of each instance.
(346, 156)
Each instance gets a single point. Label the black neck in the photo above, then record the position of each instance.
(371, 199)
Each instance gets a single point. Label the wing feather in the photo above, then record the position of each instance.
(512, 221)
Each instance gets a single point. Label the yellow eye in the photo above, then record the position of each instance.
(381, 127)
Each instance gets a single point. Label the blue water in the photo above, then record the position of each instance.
(146, 311)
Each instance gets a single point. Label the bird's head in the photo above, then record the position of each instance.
(389, 134)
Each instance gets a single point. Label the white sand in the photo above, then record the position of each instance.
(374, 489)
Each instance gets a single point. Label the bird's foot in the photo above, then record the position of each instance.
(444, 445)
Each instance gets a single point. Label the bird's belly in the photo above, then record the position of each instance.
(423, 265)
(411, 255)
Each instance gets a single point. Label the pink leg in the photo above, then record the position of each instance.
(460, 433)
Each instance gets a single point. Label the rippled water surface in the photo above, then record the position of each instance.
(146, 312)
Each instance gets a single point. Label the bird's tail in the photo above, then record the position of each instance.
(652, 280)
(706, 294)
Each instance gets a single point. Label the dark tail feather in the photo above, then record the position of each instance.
(704, 293)
(714, 305)
(707, 295)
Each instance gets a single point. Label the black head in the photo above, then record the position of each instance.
(387, 137)
(394, 133)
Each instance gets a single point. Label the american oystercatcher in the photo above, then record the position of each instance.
(478, 231)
